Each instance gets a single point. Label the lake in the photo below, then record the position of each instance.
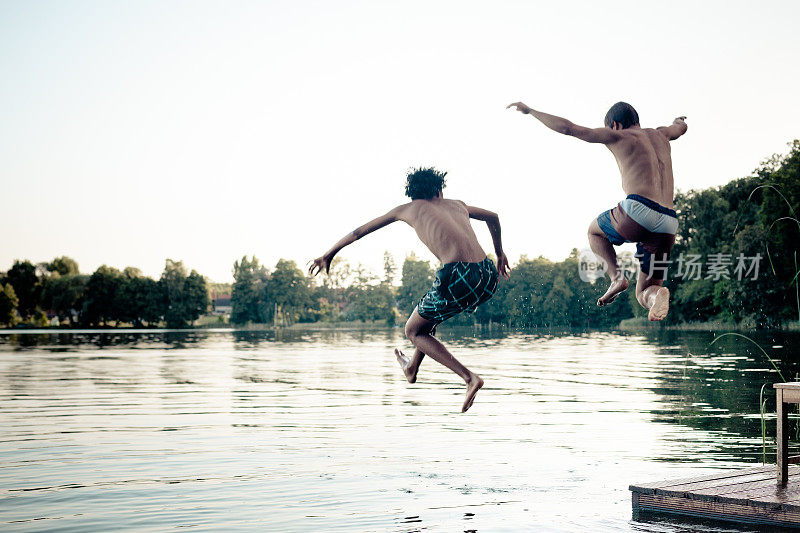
(319, 431)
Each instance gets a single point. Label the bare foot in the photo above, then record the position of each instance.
(660, 306)
(405, 364)
(473, 387)
(613, 291)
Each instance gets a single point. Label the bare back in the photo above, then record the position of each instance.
(644, 158)
(443, 226)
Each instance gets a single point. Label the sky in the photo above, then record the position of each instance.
(133, 132)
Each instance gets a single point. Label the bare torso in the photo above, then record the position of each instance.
(443, 226)
(645, 163)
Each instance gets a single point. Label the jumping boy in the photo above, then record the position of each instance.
(467, 278)
(646, 216)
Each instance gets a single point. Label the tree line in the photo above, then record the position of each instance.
(750, 222)
(540, 293)
(754, 217)
(106, 297)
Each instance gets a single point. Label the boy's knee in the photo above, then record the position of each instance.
(409, 330)
(594, 229)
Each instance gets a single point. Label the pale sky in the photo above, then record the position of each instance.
(132, 132)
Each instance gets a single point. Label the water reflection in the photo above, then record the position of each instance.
(317, 430)
(75, 341)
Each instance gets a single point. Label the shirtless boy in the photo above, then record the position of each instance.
(467, 278)
(646, 216)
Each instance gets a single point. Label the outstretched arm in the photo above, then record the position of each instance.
(324, 261)
(675, 130)
(493, 221)
(566, 127)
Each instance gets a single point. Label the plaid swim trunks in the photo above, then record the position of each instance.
(459, 286)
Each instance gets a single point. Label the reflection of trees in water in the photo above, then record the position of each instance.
(63, 342)
(716, 388)
(247, 339)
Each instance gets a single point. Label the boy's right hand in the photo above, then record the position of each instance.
(519, 106)
(502, 265)
(319, 264)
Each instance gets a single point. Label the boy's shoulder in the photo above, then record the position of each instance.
(436, 202)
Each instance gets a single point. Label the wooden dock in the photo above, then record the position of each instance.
(752, 496)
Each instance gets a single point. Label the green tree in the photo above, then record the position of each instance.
(527, 289)
(22, 277)
(63, 266)
(186, 297)
(368, 299)
(196, 298)
(556, 305)
(583, 310)
(749, 216)
(100, 296)
(141, 299)
(779, 214)
(389, 268)
(172, 280)
(416, 279)
(247, 293)
(8, 304)
(63, 295)
(288, 290)
(152, 301)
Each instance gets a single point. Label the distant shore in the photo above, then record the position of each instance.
(641, 323)
(627, 325)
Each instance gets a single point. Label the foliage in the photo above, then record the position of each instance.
(368, 299)
(100, 297)
(287, 291)
(63, 295)
(248, 291)
(748, 216)
(186, 297)
(416, 279)
(22, 277)
(8, 304)
(141, 299)
(63, 266)
(542, 293)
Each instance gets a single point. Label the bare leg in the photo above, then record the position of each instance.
(411, 366)
(603, 249)
(418, 331)
(653, 296)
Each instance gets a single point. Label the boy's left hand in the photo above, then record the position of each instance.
(502, 265)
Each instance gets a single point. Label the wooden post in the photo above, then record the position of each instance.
(783, 438)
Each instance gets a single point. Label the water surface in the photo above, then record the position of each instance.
(318, 430)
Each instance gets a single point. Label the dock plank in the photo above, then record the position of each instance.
(727, 511)
(721, 482)
(697, 479)
(750, 495)
(767, 486)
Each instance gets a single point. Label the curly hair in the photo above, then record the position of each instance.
(424, 183)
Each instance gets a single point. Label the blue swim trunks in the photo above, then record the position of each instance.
(647, 223)
(459, 286)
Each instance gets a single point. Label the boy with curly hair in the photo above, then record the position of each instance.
(467, 278)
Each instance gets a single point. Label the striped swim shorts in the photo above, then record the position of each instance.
(649, 224)
(459, 286)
